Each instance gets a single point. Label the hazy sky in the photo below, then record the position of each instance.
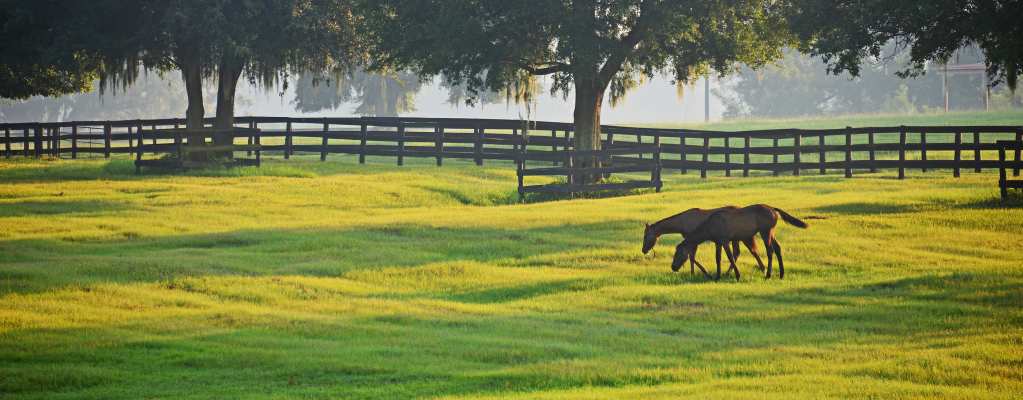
(655, 101)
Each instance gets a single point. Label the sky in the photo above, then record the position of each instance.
(654, 101)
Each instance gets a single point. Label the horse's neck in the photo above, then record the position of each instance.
(669, 225)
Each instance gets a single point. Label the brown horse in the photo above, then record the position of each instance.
(686, 222)
(729, 225)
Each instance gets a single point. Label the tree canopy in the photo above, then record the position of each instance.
(589, 47)
(844, 32)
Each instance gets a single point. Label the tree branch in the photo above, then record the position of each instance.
(545, 70)
(627, 45)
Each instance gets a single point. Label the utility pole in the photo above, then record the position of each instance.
(706, 98)
(944, 85)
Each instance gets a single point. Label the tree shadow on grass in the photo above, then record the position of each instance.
(868, 208)
(36, 265)
(60, 207)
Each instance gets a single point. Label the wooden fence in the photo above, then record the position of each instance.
(1004, 183)
(609, 161)
(778, 151)
(181, 151)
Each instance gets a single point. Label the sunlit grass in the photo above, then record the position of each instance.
(335, 280)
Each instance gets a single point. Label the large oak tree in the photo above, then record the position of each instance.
(591, 48)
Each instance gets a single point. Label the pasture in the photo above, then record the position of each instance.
(338, 280)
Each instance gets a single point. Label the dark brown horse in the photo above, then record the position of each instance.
(685, 222)
(729, 225)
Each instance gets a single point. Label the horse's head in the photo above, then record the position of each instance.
(649, 238)
(682, 252)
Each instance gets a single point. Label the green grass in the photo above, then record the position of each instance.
(335, 280)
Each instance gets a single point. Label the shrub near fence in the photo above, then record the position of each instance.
(780, 151)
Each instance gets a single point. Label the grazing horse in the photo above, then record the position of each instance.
(729, 225)
(686, 222)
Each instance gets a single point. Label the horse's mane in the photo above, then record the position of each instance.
(663, 220)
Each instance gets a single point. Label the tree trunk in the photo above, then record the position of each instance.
(230, 71)
(589, 98)
(191, 73)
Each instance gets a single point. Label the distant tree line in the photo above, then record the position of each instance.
(800, 85)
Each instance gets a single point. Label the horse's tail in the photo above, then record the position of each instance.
(796, 222)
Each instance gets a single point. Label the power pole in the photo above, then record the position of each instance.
(706, 98)
(944, 85)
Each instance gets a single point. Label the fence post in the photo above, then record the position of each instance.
(25, 148)
(1001, 172)
(153, 128)
(131, 139)
(1019, 139)
(848, 152)
(796, 159)
(554, 144)
(656, 173)
(439, 132)
(106, 139)
(287, 141)
(55, 132)
(570, 162)
(515, 140)
(822, 157)
(138, 151)
(401, 143)
(682, 152)
(179, 149)
(39, 141)
(7, 142)
(363, 138)
(923, 149)
(610, 140)
(902, 152)
(774, 157)
(477, 146)
(976, 152)
(706, 153)
(957, 157)
(728, 156)
(323, 144)
(251, 141)
(870, 142)
(745, 156)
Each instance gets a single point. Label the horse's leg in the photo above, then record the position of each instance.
(718, 258)
(751, 245)
(735, 250)
(781, 264)
(731, 261)
(766, 236)
(692, 262)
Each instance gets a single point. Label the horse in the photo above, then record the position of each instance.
(684, 223)
(729, 225)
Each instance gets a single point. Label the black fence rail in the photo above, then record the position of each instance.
(777, 151)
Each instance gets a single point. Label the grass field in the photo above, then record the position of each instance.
(335, 280)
